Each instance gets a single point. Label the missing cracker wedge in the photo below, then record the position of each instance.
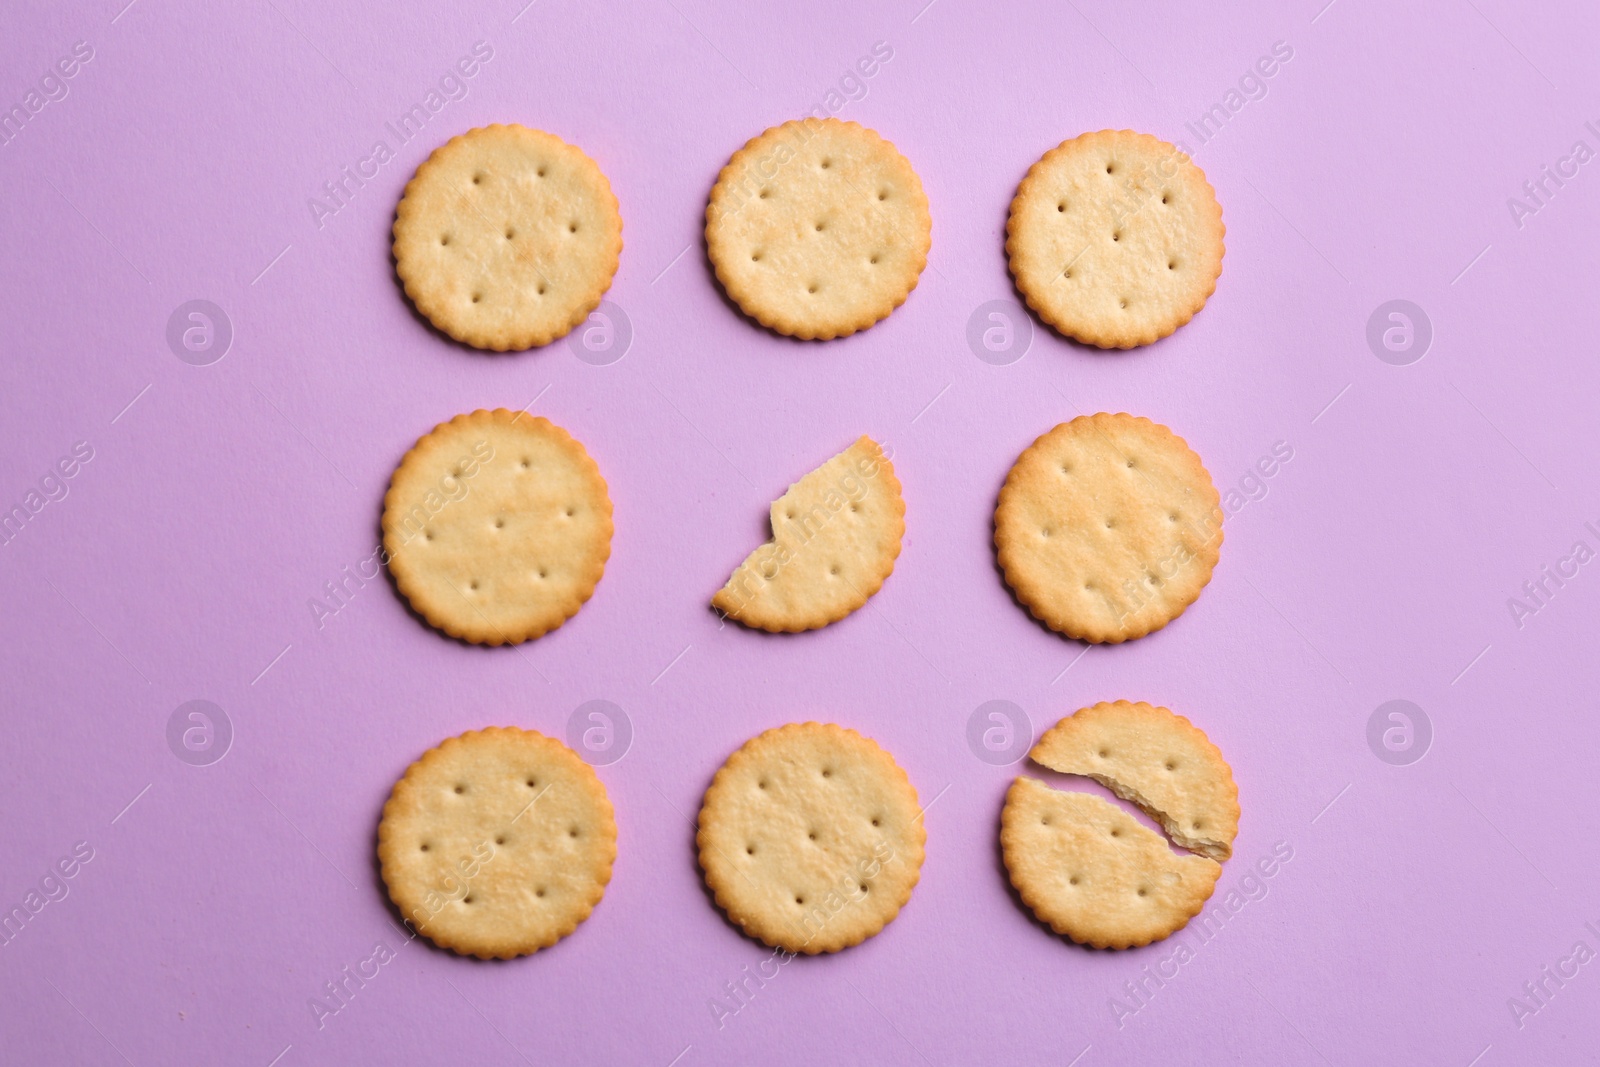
(835, 536)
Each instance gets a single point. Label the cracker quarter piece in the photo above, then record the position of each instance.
(497, 526)
(1093, 873)
(1108, 527)
(507, 237)
(818, 228)
(497, 843)
(1115, 238)
(836, 535)
(1159, 761)
(811, 838)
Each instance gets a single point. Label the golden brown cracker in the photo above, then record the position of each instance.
(811, 838)
(1158, 760)
(1092, 872)
(1115, 238)
(497, 843)
(836, 535)
(818, 228)
(507, 237)
(1108, 527)
(497, 526)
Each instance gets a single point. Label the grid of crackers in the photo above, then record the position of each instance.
(497, 528)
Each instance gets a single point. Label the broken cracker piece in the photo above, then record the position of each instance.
(1156, 759)
(836, 535)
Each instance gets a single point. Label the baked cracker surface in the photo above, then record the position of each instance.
(497, 526)
(1092, 872)
(811, 838)
(818, 228)
(497, 843)
(507, 237)
(1115, 238)
(1108, 527)
(1158, 760)
(836, 536)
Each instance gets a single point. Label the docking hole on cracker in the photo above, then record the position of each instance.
(507, 237)
(1108, 527)
(818, 228)
(497, 843)
(835, 537)
(1087, 868)
(1115, 238)
(497, 527)
(811, 838)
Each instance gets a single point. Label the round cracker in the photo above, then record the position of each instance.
(1108, 527)
(497, 843)
(1115, 238)
(1092, 872)
(497, 526)
(507, 237)
(1157, 759)
(811, 838)
(818, 228)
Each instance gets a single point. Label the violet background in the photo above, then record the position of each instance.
(1419, 898)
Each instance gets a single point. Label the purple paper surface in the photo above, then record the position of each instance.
(1421, 544)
